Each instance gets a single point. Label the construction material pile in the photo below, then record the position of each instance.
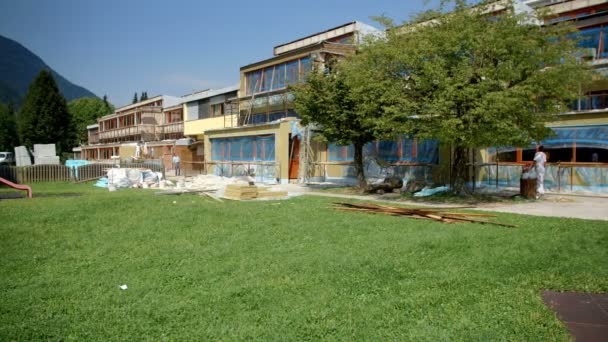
(233, 188)
(247, 192)
(435, 214)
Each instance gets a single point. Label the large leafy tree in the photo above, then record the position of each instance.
(44, 117)
(330, 102)
(8, 128)
(85, 111)
(471, 79)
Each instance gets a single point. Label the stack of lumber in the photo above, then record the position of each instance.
(241, 192)
(435, 214)
(247, 192)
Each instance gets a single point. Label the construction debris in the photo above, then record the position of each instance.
(435, 214)
(216, 187)
(248, 192)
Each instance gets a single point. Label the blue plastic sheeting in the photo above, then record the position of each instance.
(402, 150)
(75, 164)
(102, 183)
(557, 179)
(590, 39)
(584, 136)
(258, 148)
(340, 153)
(431, 191)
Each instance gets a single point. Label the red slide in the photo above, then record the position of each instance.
(17, 186)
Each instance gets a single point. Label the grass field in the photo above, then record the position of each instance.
(278, 270)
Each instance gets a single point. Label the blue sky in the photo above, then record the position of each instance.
(118, 47)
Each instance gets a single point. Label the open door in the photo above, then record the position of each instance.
(294, 157)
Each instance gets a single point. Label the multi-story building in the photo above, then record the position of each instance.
(203, 111)
(265, 139)
(578, 153)
(141, 130)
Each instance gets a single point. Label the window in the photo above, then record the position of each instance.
(217, 109)
(279, 77)
(258, 148)
(267, 79)
(292, 72)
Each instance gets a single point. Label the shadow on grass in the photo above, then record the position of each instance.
(472, 199)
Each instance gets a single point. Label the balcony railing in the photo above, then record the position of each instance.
(590, 102)
(127, 132)
(175, 127)
(93, 138)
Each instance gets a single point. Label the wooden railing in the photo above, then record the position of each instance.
(175, 127)
(61, 173)
(128, 131)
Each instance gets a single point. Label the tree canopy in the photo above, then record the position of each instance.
(330, 102)
(8, 128)
(467, 78)
(44, 117)
(85, 111)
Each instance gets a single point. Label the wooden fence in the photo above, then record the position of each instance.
(61, 173)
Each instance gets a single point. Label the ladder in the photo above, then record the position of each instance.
(250, 109)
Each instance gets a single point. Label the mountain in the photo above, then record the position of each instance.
(19, 66)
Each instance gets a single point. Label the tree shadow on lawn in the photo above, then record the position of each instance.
(475, 198)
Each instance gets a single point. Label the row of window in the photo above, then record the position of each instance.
(256, 119)
(401, 150)
(277, 76)
(258, 148)
(576, 144)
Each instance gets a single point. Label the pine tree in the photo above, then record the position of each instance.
(44, 117)
(134, 98)
(8, 128)
(144, 96)
(105, 101)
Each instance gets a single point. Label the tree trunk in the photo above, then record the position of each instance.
(359, 166)
(459, 167)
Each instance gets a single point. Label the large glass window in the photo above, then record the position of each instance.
(258, 148)
(279, 77)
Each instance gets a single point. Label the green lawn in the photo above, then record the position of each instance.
(278, 270)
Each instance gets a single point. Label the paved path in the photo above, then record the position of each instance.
(556, 205)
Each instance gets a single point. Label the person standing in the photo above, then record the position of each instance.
(540, 158)
(176, 161)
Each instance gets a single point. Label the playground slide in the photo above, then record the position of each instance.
(17, 186)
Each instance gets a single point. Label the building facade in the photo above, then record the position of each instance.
(143, 130)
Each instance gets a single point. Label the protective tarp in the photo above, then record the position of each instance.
(557, 178)
(256, 148)
(403, 149)
(583, 136)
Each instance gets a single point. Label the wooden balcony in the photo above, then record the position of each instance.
(140, 132)
(174, 127)
(93, 138)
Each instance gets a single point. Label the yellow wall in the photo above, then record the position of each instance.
(199, 127)
(281, 136)
(581, 119)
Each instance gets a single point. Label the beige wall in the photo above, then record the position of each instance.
(199, 127)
